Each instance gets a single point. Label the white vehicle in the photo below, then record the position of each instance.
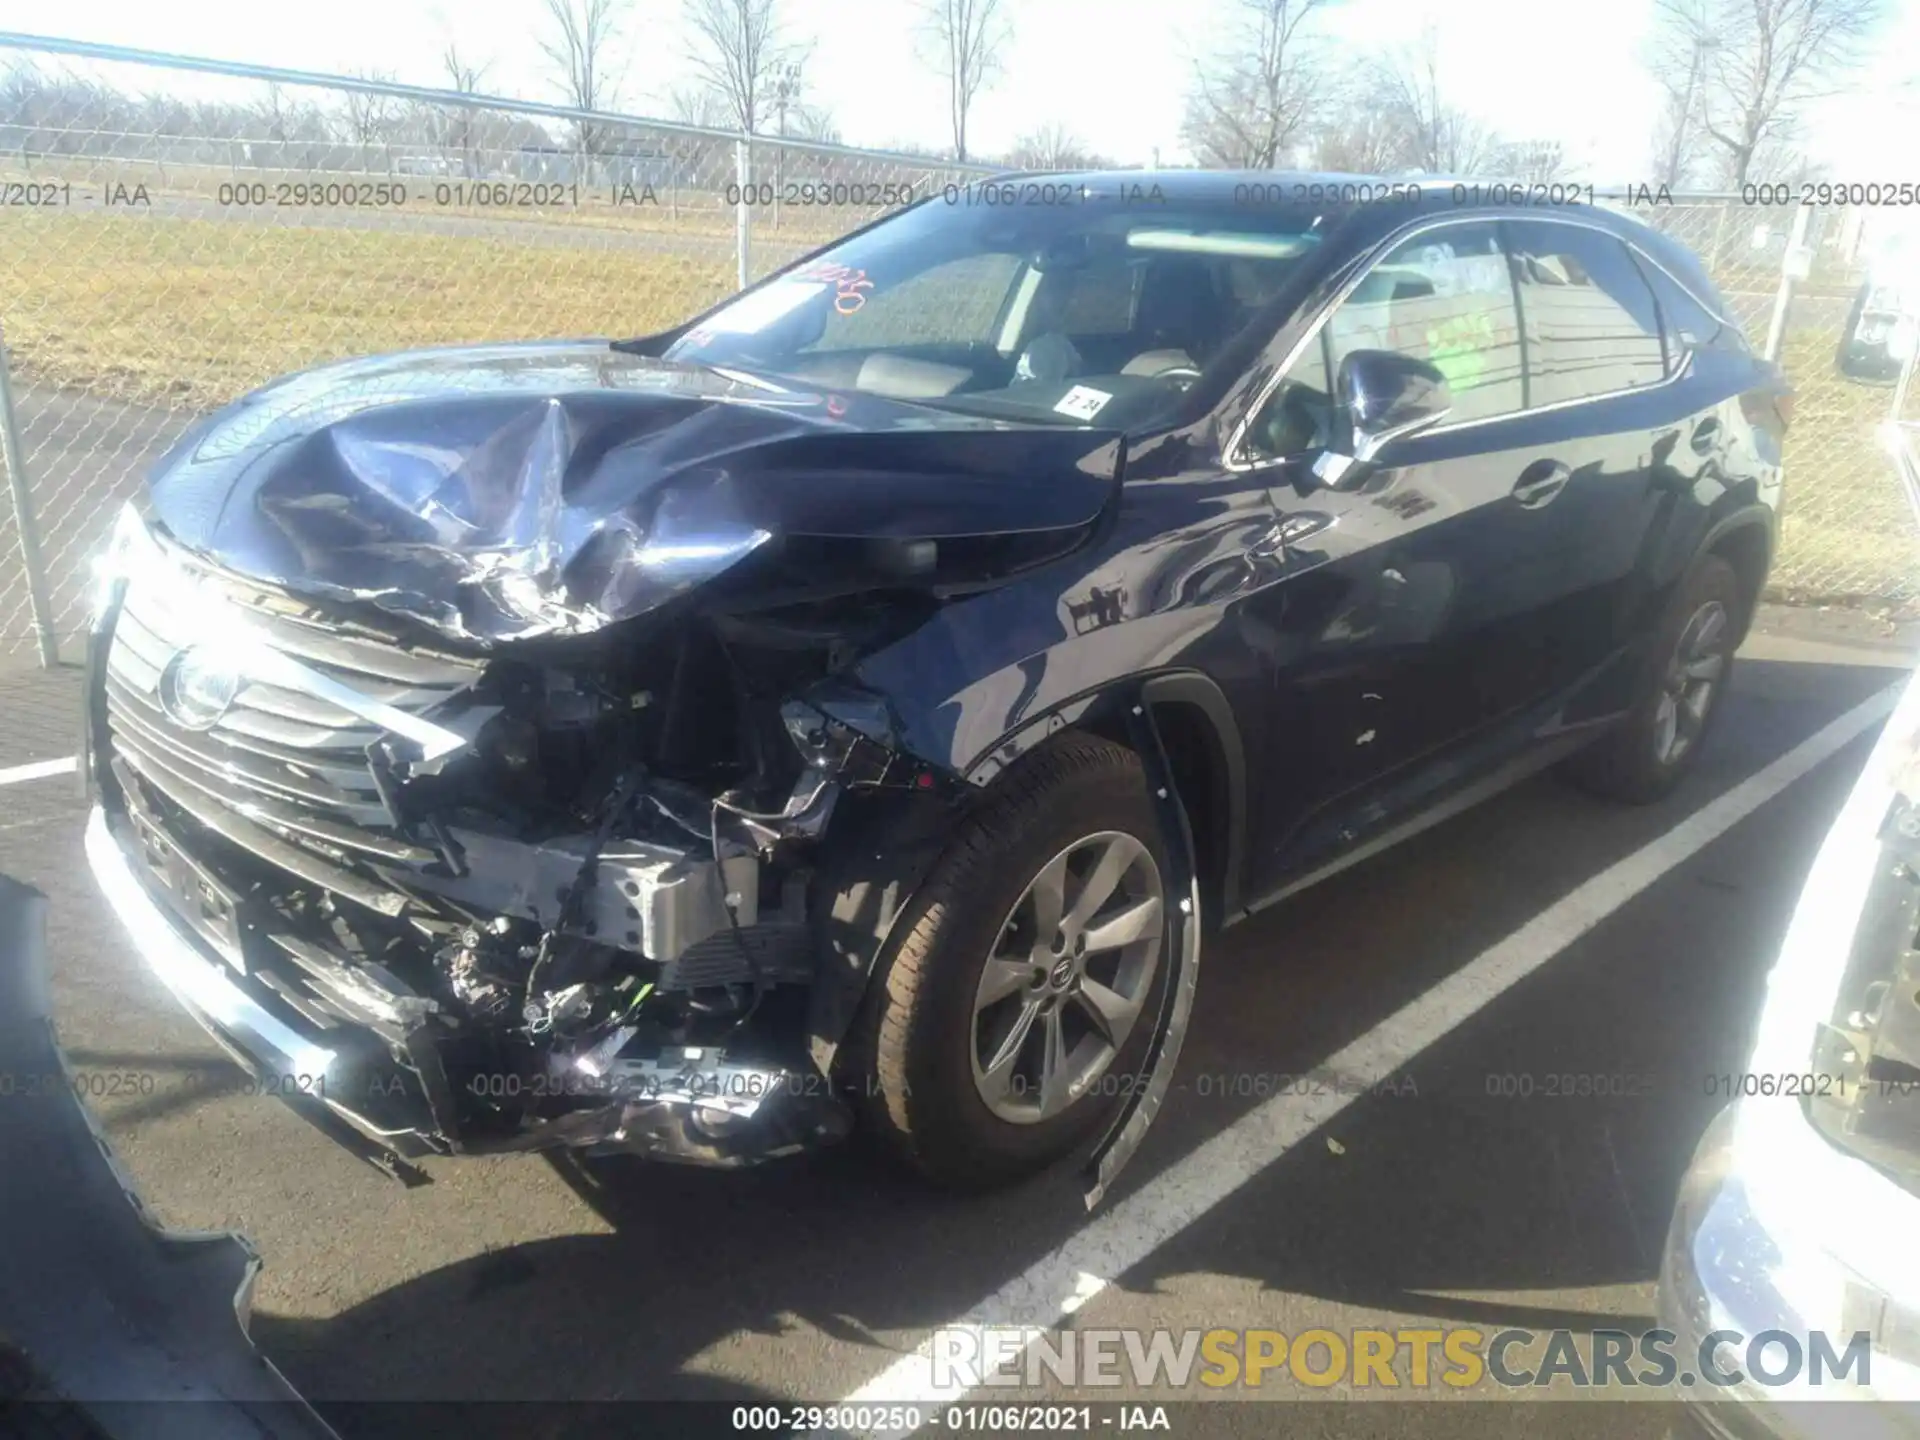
(1800, 1211)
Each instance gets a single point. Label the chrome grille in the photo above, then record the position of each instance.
(293, 763)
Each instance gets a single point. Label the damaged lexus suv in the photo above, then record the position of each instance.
(853, 705)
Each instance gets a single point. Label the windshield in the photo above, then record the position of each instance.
(1074, 314)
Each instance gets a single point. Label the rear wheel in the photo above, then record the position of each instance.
(1005, 1026)
(1677, 695)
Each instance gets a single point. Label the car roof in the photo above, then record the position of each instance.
(1417, 193)
(1435, 194)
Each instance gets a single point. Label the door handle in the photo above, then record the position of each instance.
(1540, 482)
(1285, 532)
(1706, 435)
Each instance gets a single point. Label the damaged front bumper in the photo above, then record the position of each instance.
(381, 1088)
(613, 898)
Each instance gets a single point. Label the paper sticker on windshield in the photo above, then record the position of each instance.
(1083, 402)
(753, 313)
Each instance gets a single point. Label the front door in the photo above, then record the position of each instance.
(1419, 609)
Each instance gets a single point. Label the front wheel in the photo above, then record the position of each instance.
(1014, 1011)
(1677, 695)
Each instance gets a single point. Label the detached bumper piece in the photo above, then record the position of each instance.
(101, 1311)
(356, 1052)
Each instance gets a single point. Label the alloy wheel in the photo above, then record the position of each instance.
(1068, 977)
(1692, 682)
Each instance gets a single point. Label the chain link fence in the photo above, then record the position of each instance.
(161, 256)
(165, 247)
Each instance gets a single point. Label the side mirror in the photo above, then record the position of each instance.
(1381, 396)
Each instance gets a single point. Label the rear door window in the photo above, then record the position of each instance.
(1591, 324)
(1444, 296)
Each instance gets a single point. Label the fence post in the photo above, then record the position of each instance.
(1719, 238)
(23, 520)
(1790, 262)
(742, 236)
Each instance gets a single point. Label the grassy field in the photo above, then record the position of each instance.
(193, 313)
(1846, 532)
(187, 314)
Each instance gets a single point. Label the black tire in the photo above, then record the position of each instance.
(1633, 762)
(915, 1048)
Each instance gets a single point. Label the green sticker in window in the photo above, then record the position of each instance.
(1457, 348)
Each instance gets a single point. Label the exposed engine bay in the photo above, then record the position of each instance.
(589, 901)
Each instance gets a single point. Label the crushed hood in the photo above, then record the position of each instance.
(503, 492)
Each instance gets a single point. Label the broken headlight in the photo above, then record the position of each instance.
(127, 547)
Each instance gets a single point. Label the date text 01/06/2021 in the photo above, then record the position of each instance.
(899, 1419)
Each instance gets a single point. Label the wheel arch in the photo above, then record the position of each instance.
(885, 848)
(1197, 729)
(1745, 540)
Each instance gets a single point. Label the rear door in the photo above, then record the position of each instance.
(1577, 530)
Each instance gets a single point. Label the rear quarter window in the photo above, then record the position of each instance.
(1686, 320)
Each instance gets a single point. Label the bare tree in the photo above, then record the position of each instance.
(370, 115)
(1780, 158)
(1353, 133)
(465, 77)
(740, 55)
(1753, 63)
(811, 120)
(1433, 136)
(698, 105)
(1679, 140)
(584, 34)
(1534, 161)
(222, 121)
(1256, 96)
(65, 115)
(274, 114)
(1679, 144)
(1052, 147)
(966, 38)
(291, 123)
(913, 147)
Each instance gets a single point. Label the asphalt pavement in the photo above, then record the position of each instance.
(1543, 934)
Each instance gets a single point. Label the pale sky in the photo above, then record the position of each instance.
(1113, 71)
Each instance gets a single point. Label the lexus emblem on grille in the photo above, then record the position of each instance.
(196, 687)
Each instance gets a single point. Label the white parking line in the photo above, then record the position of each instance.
(1129, 1232)
(39, 770)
